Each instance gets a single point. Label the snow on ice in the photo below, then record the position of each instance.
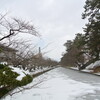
(56, 86)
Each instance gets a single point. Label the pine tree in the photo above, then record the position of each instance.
(92, 30)
(73, 56)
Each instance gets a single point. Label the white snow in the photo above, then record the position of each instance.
(3, 63)
(88, 71)
(84, 70)
(95, 64)
(89, 68)
(75, 68)
(40, 70)
(56, 86)
(22, 73)
(97, 73)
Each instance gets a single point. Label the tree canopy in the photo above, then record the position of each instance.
(89, 42)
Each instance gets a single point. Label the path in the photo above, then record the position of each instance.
(62, 84)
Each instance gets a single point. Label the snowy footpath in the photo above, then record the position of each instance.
(58, 85)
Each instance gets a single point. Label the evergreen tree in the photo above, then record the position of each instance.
(92, 30)
(73, 55)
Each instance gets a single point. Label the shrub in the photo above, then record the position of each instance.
(2, 66)
(7, 76)
(8, 80)
(25, 80)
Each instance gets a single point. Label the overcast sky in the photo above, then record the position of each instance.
(56, 20)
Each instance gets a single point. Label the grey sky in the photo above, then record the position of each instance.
(56, 20)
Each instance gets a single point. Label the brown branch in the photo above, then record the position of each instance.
(7, 36)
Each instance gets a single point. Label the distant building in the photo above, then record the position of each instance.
(39, 54)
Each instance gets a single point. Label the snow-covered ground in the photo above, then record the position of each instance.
(89, 68)
(93, 65)
(54, 85)
(40, 70)
(22, 73)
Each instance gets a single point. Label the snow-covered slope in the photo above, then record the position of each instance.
(94, 65)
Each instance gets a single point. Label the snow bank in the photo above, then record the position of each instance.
(96, 64)
(86, 70)
(3, 62)
(75, 68)
(93, 65)
(22, 73)
(40, 70)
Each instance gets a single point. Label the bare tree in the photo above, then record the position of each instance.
(10, 28)
(13, 26)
